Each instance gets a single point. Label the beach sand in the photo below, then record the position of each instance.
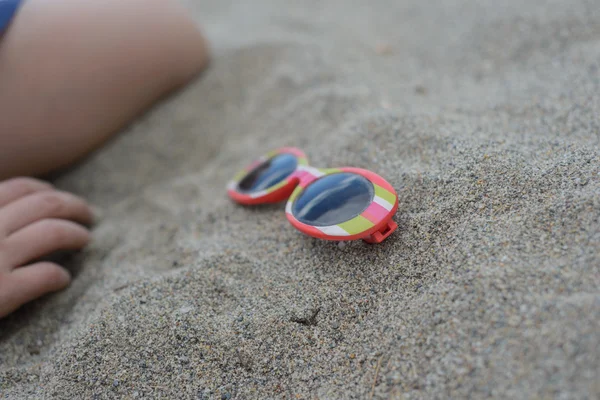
(485, 117)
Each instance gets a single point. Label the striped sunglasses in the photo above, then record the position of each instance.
(326, 203)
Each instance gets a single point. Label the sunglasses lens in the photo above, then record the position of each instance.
(269, 173)
(333, 199)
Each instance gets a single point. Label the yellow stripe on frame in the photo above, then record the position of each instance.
(356, 225)
(384, 194)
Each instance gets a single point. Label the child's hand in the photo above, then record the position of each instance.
(36, 220)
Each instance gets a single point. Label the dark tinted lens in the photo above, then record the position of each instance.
(333, 199)
(269, 173)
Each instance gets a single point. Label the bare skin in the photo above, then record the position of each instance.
(72, 74)
(35, 220)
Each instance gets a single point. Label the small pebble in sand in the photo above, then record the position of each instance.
(385, 104)
(384, 49)
(186, 309)
(420, 89)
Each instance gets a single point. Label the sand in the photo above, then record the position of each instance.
(485, 116)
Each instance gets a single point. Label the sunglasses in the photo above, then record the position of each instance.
(331, 203)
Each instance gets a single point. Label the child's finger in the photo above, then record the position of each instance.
(13, 189)
(28, 283)
(42, 238)
(42, 205)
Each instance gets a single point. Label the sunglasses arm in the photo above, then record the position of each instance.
(380, 235)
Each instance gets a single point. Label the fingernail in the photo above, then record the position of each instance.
(67, 275)
(97, 214)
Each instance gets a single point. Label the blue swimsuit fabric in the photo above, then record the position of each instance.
(8, 8)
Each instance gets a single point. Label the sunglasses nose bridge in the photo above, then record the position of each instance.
(307, 175)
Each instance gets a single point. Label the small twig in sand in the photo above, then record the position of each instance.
(375, 379)
(119, 288)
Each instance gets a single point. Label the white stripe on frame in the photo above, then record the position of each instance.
(258, 194)
(383, 203)
(332, 230)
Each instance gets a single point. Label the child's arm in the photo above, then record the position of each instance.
(74, 72)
